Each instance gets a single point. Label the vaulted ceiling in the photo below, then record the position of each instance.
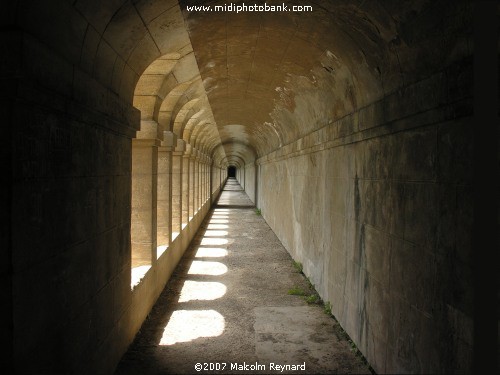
(237, 86)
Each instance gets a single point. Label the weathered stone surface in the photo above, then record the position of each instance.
(255, 319)
(388, 230)
(348, 126)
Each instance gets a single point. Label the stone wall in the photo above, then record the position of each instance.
(378, 207)
(67, 269)
(370, 187)
(250, 179)
(71, 230)
(6, 108)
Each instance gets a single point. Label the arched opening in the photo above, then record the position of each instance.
(143, 209)
(151, 218)
(231, 171)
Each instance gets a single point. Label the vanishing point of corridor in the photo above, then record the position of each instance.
(229, 306)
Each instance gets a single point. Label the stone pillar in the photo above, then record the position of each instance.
(220, 178)
(185, 185)
(164, 205)
(202, 180)
(205, 167)
(210, 180)
(205, 179)
(144, 195)
(177, 187)
(197, 181)
(215, 177)
(192, 183)
(256, 188)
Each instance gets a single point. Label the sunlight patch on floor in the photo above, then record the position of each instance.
(213, 241)
(207, 268)
(211, 252)
(219, 221)
(186, 325)
(217, 226)
(201, 290)
(215, 233)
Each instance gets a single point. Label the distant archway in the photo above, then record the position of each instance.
(231, 171)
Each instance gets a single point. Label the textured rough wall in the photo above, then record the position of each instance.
(67, 266)
(70, 212)
(250, 181)
(216, 179)
(6, 229)
(378, 208)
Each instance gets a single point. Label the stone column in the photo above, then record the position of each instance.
(144, 195)
(221, 177)
(205, 179)
(209, 177)
(192, 183)
(256, 188)
(202, 179)
(177, 187)
(164, 206)
(185, 185)
(211, 180)
(197, 181)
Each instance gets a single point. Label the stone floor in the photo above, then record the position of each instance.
(227, 307)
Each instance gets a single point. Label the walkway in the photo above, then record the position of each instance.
(228, 307)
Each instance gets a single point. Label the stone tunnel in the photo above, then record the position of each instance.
(347, 123)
